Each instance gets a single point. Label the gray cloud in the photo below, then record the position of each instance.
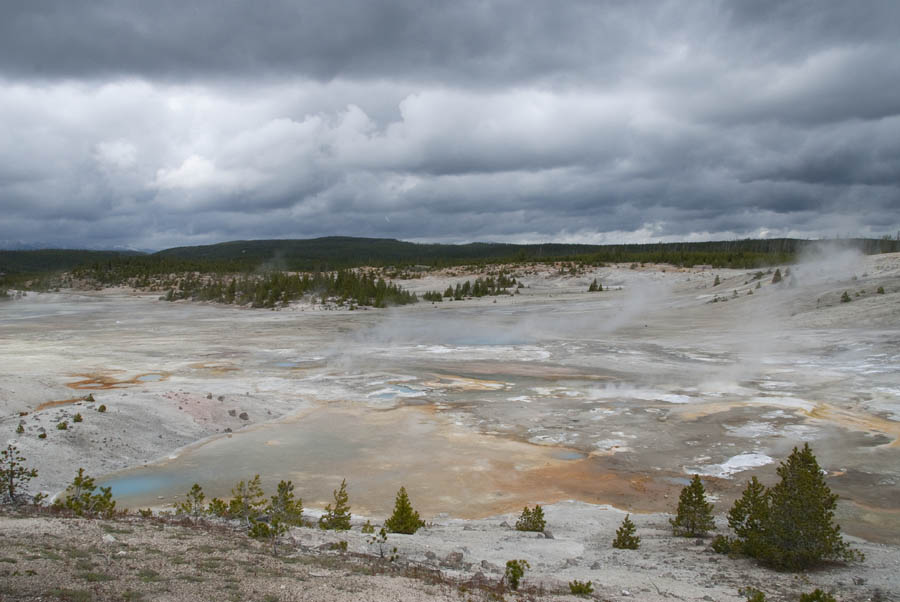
(158, 124)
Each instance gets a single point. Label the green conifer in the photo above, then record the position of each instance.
(531, 520)
(626, 537)
(799, 529)
(748, 516)
(404, 519)
(338, 517)
(694, 517)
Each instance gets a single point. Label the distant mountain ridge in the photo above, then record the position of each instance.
(335, 252)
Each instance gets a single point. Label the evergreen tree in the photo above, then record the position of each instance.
(81, 499)
(748, 516)
(13, 473)
(531, 520)
(777, 277)
(193, 503)
(694, 517)
(285, 506)
(799, 529)
(247, 500)
(404, 519)
(337, 518)
(626, 537)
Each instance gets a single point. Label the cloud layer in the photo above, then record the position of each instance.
(157, 124)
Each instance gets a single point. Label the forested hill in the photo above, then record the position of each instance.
(337, 252)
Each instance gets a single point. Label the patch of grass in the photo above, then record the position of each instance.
(191, 578)
(148, 575)
(114, 529)
(51, 555)
(132, 595)
(9, 560)
(71, 595)
(76, 553)
(82, 564)
(92, 577)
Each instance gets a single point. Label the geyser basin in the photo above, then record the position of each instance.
(446, 468)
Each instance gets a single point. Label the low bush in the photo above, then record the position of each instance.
(515, 571)
(581, 588)
(531, 520)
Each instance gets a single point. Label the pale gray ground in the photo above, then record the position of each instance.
(481, 406)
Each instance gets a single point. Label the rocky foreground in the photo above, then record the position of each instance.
(46, 558)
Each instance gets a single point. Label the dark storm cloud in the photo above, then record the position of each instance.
(165, 123)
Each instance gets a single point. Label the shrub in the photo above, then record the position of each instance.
(777, 277)
(515, 570)
(595, 287)
(626, 539)
(752, 594)
(193, 503)
(13, 473)
(77, 418)
(20, 429)
(722, 545)
(694, 516)
(81, 499)
(531, 520)
(404, 519)
(880, 290)
(845, 298)
(817, 595)
(102, 408)
(717, 281)
(145, 512)
(42, 435)
(62, 426)
(581, 588)
(338, 517)
(368, 528)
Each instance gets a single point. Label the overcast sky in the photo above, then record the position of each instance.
(164, 123)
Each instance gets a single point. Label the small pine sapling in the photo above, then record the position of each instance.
(777, 277)
(404, 519)
(694, 516)
(337, 517)
(581, 588)
(626, 538)
(380, 541)
(368, 528)
(81, 499)
(285, 506)
(531, 520)
(217, 507)
(14, 475)
(247, 501)
(20, 429)
(515, 571)
(192, 505)
(62, 426)
(77, 418)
